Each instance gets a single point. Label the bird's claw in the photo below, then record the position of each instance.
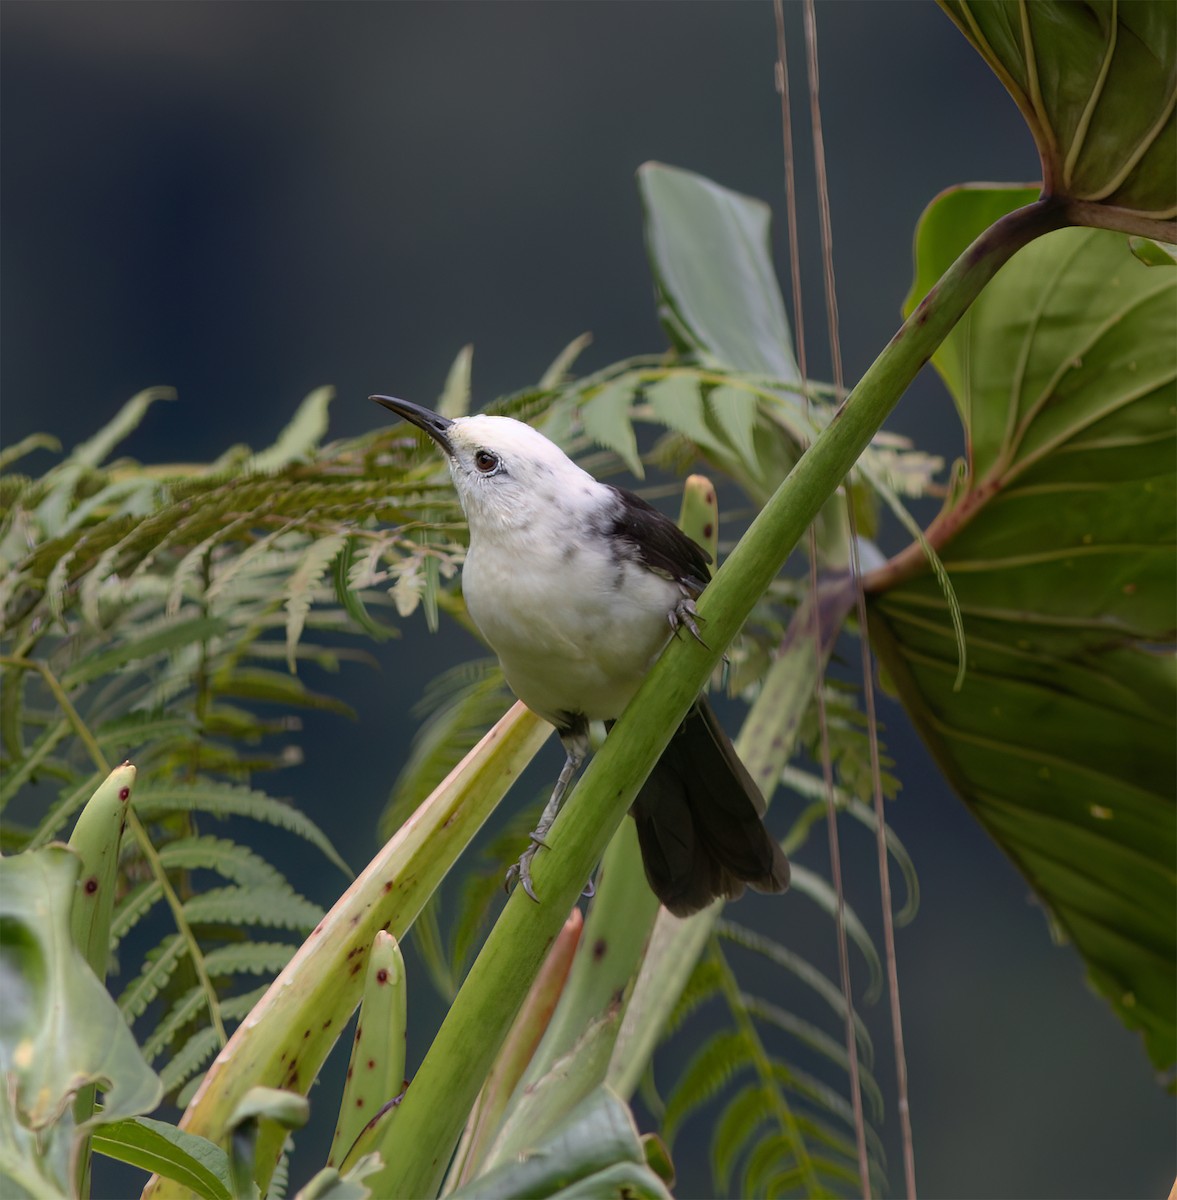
(685, 614)
(520, 872)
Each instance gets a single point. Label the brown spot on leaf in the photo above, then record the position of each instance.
(382, 975)
(90, 886)
(599, 948)
(124, 793)
(708, 529)
(371, 1064)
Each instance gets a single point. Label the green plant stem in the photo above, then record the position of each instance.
(436, 1105)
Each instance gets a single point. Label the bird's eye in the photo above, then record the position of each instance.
(486, 462)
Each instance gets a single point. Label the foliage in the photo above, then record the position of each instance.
(60, 1029)
(163, 612)
(1060, 539)
(1096, 85)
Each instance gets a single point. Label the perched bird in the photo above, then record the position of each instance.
(577, 586)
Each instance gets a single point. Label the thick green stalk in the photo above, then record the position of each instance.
(285, 1039)
(441, 1094)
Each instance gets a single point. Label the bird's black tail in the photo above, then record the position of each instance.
(699, 821)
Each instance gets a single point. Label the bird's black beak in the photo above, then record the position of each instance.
(433, 423)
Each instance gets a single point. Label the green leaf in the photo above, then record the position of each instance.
(277, 907)
(276, 687)
(227, 858)
(301, 436)
(94, 450)
(454, 400)
(156, 800)
(599, 1134)
(349, 597)
(1060, 545)
(35, 441)
(329, 1184)
(741, 1119)
(710, 1067)
(300, 590)
(162, 1149)
(717, 291)
(59, 1029)
(168, 638)
(955, 218)
(1096, 84)
(677, 401)
(821, 892)
(1153, 253)
(736, 411)
(606, 420)
(459, 706)
(562, 363)
(158, 968)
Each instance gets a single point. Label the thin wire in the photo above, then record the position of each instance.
(827, 768)
(827, 243)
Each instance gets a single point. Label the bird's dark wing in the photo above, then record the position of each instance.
(657, 542)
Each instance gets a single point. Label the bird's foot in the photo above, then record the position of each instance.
(684, 614)
(520, 873)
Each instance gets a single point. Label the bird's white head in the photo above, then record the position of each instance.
(505, 472)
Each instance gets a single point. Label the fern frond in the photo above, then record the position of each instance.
(35, 757)
(158, 967)
(228, 858)
(254, 958)
(704, 983)
(821, 892)
(711, 1066)
(301, 436)
(276, 907)
(826, 1098)
(460, 706)
(156, 800)
(183, 1012)
(300, 590)
(69, 801)
(808, 974)
(171, 637)
(742, 1119)
(26, 446)
(275, 687)
(818, 1040)
(133, 907)
(189, 1059)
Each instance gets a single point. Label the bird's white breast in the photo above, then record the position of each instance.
(575, 626)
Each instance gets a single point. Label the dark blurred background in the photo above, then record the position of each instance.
(247, 200)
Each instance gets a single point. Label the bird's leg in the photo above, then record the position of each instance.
(576, 747)
(684, 614)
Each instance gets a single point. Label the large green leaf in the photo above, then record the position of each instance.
(1060, 544)
(59, 1029)
(717, 294)
(1096, 82)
